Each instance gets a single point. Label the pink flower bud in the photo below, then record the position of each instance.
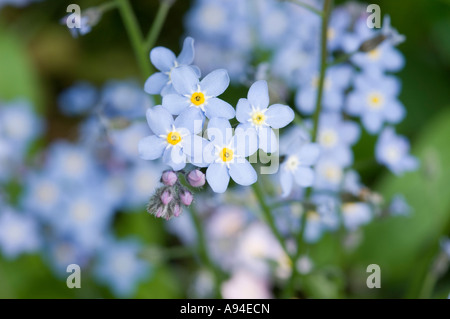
(186, 198)
(196, 178)
(166, 197)
(177, 210)
(169, 178)
(159, 212)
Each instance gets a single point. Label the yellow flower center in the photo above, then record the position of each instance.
(374, 54)
(173, 138)
(258, 118)
(328, 138)
(312, 215)
(226, 154)
(292, 163)
(331, 34)
(197, 98)
(376, 101)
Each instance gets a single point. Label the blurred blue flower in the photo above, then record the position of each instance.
(119, 267)
(337, 80)
(174, 140)
(297, 167)
(355, 215)
(124, 99)
(385, 57)
(202, 95)
(336, 136)
(78, 99)
(166, 61)
(254, 113)
(399, 206)
(392, 150)
(19, 233)
(125, 141)
(374, 99)
(329, 173)
(226, 154)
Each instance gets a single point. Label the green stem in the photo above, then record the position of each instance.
(107, 6)
(203, 250)
(268, 215)
(135, 35)
(323, 64)
(306, 6)
(157, 24)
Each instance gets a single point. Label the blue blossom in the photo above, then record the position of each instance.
(254, 113)
(84, 217)
(19, 124)
(355, 215)
(61, 252)
(174, 140)
(385, 57)
(351, 183)
(19, 233)
(201, 95)
(340, 21)
(125, 141)
(329, 174)
(78, 99)
(399, 206)
(336, 136)
(374, 99)
(141, 180)
(226, 155)
(119, 267)
(392, 150)
(297, 167)
(70, 163)
(16, 3)
(124, 99)
(337, 80)
(166, 61)
(42, 195)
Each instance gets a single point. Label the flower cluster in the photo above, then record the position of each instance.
(197, 109)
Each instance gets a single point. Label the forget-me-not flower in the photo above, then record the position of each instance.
(297, 167)
(166, 61)
(374, 99)
(226, 154)
(254, 113)
(392, 150)
(78, 99)
(201, 95)
(174, 140)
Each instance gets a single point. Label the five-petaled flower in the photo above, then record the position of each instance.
(254, 113)
(166, 61)
(226, 155)
(174, 140)
(201, 95)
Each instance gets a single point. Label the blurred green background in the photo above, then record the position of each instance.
(39, 58)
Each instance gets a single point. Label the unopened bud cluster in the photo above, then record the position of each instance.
(168, 200)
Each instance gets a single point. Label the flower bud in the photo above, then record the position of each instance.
(159, 212)
(177, 210)
(169, 178)
(186, 198)
(196, 178)
(166, 197)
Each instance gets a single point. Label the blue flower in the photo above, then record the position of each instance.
(297, 167)
(125, 140)
(19, 233)
(374, 99)
(399, 206)
(202, 95)
(226, 154)
(355, 215)
(119, 267)
(254, 114)
(124, 99)
(329, 174)
(78, 99)
(385, 57)
(336, 137)
(337, 80)
(340, 20)
(166, 61)
(392, 150)
(174, 140)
